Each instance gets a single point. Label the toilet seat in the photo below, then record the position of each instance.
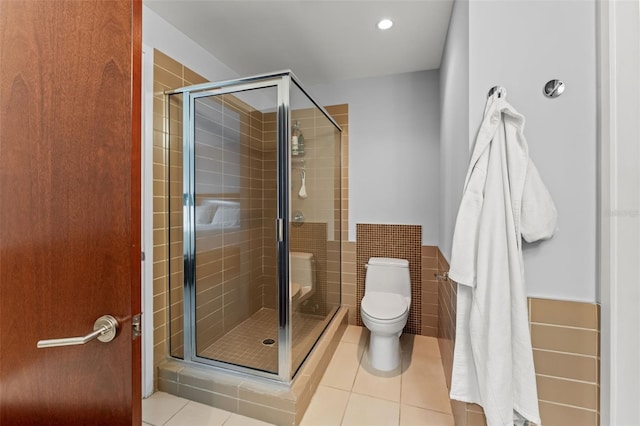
(383, 306)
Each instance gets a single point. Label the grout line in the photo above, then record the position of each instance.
(229, 417)
(567, 379)
(568, 406)
(564, 326)
(429, 409)
(565, 353)
(174, 414)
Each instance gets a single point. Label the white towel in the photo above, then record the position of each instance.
(504, 200)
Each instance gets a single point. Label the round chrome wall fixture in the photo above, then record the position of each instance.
(553, 88)
(298, 218)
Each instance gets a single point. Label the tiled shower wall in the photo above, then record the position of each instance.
(321, 208)
(218, 266)
(229, 273)
(168, 74)
(340, 113)
(565, 337)
(229, 264)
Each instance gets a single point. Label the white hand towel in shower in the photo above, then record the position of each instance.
(504, 200)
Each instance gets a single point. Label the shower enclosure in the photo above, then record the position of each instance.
(255, 224)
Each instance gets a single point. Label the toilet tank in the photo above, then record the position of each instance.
(303, 269)
(389, 275)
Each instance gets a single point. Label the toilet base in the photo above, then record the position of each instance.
(384, 351)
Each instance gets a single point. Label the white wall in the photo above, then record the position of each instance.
(520, 45)
(537, 41)
(454, 129)
(159, 34)
(394, 131)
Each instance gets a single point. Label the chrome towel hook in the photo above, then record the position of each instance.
(553, 88)
(502, 92)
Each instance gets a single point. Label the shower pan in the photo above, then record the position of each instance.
(254, 267)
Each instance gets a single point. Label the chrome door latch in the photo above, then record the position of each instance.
(136, 323)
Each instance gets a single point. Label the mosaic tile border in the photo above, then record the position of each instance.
(399, 241)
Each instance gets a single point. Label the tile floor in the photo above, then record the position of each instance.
(243, 345)
(163, 409)
(349, 393)
(413, 394)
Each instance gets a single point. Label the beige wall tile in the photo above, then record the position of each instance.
(266, 395)
(266, 413)
(569, 392)
(191, 77)
(430, 320)
(558, 312)
(349, 257)
(429, 251)
(476, 419)
(475, 407)
(430, 263)
(167, 78)
(167, 386)
(213, 399)
(430, 309)
(349, 246)
(459, 412)
(335, 110)
(560, 415)
(166, 62)
(429, 331)
(569, 366)
(562, 339)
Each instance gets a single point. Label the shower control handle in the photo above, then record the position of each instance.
(104, 329)
(298, 218)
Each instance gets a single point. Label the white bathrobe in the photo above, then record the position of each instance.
(504, 200)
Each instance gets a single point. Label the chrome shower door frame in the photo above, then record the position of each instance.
(282, 81)
(191, 94)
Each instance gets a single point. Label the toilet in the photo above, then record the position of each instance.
(385, 308)
(303, 276)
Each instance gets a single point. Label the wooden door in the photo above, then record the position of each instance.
(69, 209)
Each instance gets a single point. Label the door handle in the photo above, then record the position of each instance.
(104, 329)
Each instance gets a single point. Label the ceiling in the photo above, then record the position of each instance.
(320, 41)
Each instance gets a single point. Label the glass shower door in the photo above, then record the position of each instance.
(314, 238)
(254, 221)
(233, 214)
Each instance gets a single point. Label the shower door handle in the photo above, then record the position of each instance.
(279, 230)
(104, 329)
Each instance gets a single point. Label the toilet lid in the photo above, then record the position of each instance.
(383, 306)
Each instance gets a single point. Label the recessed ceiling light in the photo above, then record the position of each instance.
(385, 24)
